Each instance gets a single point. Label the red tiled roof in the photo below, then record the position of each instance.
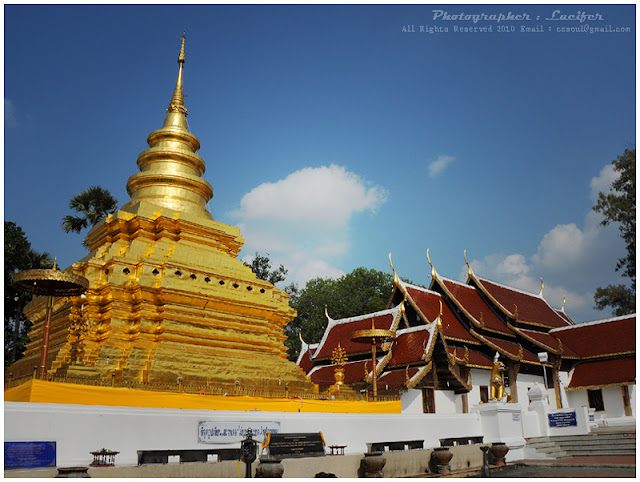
(513, 349)
(562, 314)
(546, 340)
(341, 331)
(395, 378)
(476, 359)
(613, 336)
(408, 347)
(304, 361)
(599, 373)
(471, 301)
(531, 308)
(353, 372)
(429, 303)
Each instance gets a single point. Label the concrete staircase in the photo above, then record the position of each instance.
(620, 443)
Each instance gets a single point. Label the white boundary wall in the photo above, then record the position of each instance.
(80, 429)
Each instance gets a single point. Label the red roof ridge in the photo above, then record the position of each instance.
(413, 329)
(479, 323)
(592, 323)
(511, 288)
(513, 314)
(416, 287)
(460, 283)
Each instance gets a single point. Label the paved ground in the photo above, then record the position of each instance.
(570, 467)
(540, 471)
(599, 460)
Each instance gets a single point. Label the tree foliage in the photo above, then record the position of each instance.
(619, 207)
(261, 266)
(18, 256)
(92, 204)
(360, 292)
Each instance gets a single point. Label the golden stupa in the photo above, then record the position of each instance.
(167, 297)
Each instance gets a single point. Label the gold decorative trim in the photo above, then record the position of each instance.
(594, 387)
(417, 378)
(536, 342)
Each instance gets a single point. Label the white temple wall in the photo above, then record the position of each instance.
(446, 402)
(613, 406)
(479, 378)
(578, 398)
(632, 398)
(80, 429)
(411, 401)
(527, 381)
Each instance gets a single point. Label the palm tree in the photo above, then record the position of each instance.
(94, 204)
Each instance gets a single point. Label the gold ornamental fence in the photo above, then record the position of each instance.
(219, 389)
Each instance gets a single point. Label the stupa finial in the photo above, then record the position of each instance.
(177, 99)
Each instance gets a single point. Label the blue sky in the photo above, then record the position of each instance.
(333, 137)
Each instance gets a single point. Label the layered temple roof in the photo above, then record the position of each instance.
(444, 331)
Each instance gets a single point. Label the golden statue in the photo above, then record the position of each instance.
(497, 379)
(339, 359)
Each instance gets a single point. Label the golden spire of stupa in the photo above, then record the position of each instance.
(171, 171)
(177, 100)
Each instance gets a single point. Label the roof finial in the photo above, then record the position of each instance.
(541, 288)
(326, 313)
(468, 265)
(177, 99)
(433, 270)
(564, 300)
(395, 275)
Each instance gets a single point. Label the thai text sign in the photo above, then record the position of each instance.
(233, 432)
(29, 454)
(563, 419)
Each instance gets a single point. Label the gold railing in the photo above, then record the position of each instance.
(219, 389)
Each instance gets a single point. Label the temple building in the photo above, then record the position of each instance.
(168, 299)
(450, 338)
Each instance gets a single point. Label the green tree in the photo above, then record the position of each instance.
(92, 204)
(18, 256)
(619, 207)
(261, 266)
(357, 293)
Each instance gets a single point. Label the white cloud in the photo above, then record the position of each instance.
(602, 182)
(329, 195)
(303, 220)
(10, 119)
(437, 166)
(571, 261)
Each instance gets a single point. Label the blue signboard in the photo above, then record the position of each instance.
(563, 419)
(29, 454)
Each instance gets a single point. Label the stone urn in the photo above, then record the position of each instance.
(440, 458)
(269, 468)
(72, 472)
(498, 452)
(371, 465)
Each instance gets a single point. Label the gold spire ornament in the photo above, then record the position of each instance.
(177, 100)
(170, 170)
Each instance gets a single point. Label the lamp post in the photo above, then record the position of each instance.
(49, 283)
(249, 450)
(544, 358)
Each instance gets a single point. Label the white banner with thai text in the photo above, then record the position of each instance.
(234, 432)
